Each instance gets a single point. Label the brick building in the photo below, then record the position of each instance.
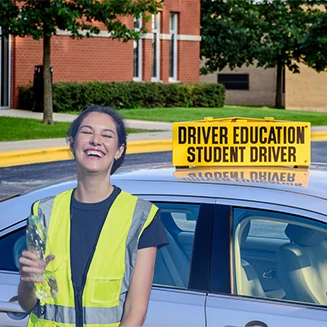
(257, 87)
(169, 52)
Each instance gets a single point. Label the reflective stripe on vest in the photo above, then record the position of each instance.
(66, 315)
(61, 309)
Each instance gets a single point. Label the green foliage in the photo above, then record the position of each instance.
(42, 18)
(241, 32)
(269, 33)
(284, 26)
(314, 46)
(229, 32)
(73, 96)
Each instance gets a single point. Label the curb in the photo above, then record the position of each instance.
(318, 136)
(60, 153)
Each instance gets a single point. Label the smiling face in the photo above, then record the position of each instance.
(95, 146)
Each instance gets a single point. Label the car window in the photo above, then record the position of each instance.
(267, 229)
(11, 246)
(279, 256)
(173, 261)
(184, 219)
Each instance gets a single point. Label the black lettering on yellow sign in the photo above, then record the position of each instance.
(202, 134)
(272, 154)
(245, 144)
(269, 135)
(226, 154)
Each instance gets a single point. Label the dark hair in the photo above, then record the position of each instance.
(120, 127)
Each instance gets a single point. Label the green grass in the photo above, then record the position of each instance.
(14, 129)
(17, 129)
(187, 114)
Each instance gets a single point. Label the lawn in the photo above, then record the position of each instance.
(15, 129)
(187, 114)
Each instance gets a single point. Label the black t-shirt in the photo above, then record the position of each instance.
(87, 220)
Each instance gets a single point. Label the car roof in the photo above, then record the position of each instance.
(312, 180)
(280, 185)
(309, 181)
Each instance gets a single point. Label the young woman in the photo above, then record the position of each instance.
(103, 241)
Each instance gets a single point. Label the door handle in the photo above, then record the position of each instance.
(256, 323)
(13, 310)
(10, 307)
(253, 323)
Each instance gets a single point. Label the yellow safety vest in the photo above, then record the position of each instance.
(111, 268)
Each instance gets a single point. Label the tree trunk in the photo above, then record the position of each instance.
(279, 81)
(47, 83)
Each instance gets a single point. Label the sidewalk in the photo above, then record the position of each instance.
(31, 151)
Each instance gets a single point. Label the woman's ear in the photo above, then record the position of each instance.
(71, 145)
(119, 152)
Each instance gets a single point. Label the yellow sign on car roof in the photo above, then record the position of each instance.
(241, 142)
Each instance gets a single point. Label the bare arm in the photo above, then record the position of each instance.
(30, 265)
(138, 296)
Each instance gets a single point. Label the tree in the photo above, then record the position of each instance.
(314, 46)
(270, 33)
(229, 34)
(41, 19)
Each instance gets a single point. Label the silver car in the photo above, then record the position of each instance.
(248, 246)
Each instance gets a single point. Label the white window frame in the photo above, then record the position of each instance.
(173, 32)
(9, 69)
(139, 45)
(156, 36)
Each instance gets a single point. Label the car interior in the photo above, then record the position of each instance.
(15, 241)
(249, 283)
(302, 263)
(287, 268)
(18, 248)
(172, 264)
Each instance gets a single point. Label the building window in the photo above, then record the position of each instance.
(4, 70)
(234, 81)
(173, 47)
(156, 47)
(137, 52)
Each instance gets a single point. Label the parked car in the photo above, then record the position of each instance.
(248, 246)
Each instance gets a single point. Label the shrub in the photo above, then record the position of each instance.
(74, 96)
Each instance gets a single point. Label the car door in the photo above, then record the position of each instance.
(11, 314)
(266, 285)
(174, 300)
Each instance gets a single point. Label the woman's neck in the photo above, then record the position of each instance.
(91, 190)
